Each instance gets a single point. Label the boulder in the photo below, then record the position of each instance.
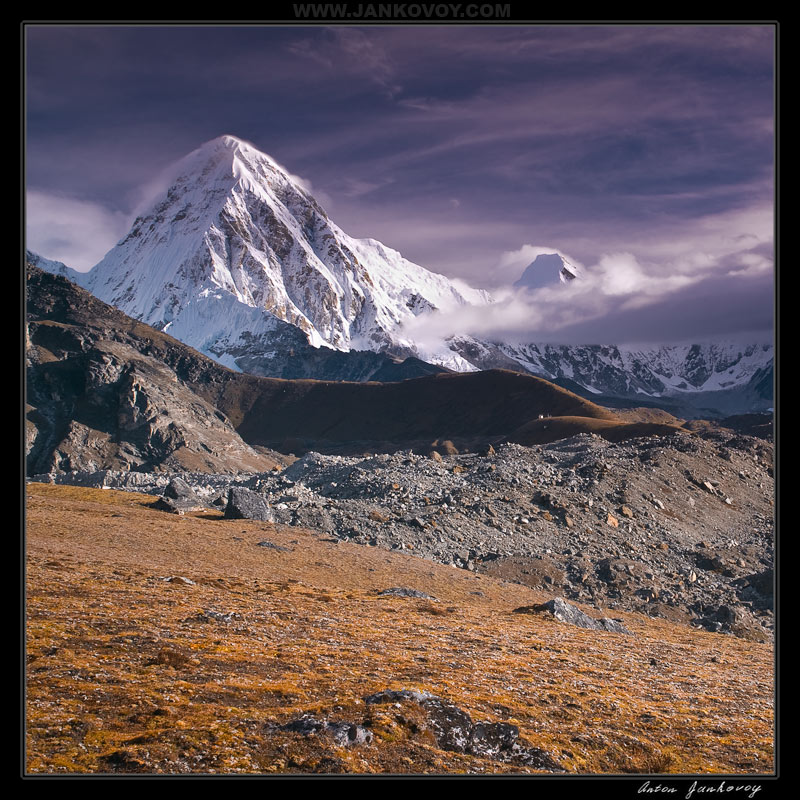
(177, 488)
(565, 612)
(247, 504)
(178, 498)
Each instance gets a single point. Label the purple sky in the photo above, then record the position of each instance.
(643, 152)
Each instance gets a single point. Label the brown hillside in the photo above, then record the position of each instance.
(646, 414)
(483, 404)
(88, 360)
(542, 431)
(173, 645)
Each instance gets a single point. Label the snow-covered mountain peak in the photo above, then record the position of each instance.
(547, 269)
(225, 149)
(226, 162)
(234, 224)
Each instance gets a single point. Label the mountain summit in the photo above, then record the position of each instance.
(236, 248)
(239, 261)
(547, 269)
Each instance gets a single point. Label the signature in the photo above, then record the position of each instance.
(751, 790)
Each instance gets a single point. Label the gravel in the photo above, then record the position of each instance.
(678, 526)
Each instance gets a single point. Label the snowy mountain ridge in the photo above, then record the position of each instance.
(652, 371)
(235, 225)
(239, 261)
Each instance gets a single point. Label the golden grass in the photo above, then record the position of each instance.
(125, 675)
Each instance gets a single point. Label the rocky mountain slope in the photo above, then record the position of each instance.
(100, 395)
(239, 261)
(108, 392)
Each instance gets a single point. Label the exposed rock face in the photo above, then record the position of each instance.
(100, 395)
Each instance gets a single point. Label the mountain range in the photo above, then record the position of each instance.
(105, 391)
(239, 261)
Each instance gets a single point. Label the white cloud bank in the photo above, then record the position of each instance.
(715, 279)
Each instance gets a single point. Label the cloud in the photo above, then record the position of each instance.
(722, 286)
(353, 187)
(318, 194)
(76, 232)
(367, 56)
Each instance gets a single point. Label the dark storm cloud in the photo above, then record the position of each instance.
(454, 145)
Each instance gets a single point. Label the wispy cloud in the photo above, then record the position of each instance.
(76, 232)
(644, 152)
(711, 282)
(367, 55)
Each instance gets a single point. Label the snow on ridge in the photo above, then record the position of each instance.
(56, 268)
(653, 370)
(232, 218)
(236, 254)
(547, 269)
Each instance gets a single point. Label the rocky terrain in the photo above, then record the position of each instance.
(477, 573)
(195, 643)
(677, 527)
(104, 391)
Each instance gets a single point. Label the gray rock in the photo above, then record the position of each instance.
(348, 734)
(178, 498)
(246, 504)
(401, 591)
(209, 615)
(272, 546)
(179, 579)
(396, 696)
(565, 612)
(178, 506)
(762, 582)
(177, 489)
(345, 734)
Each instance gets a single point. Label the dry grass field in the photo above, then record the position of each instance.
(180, 644)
